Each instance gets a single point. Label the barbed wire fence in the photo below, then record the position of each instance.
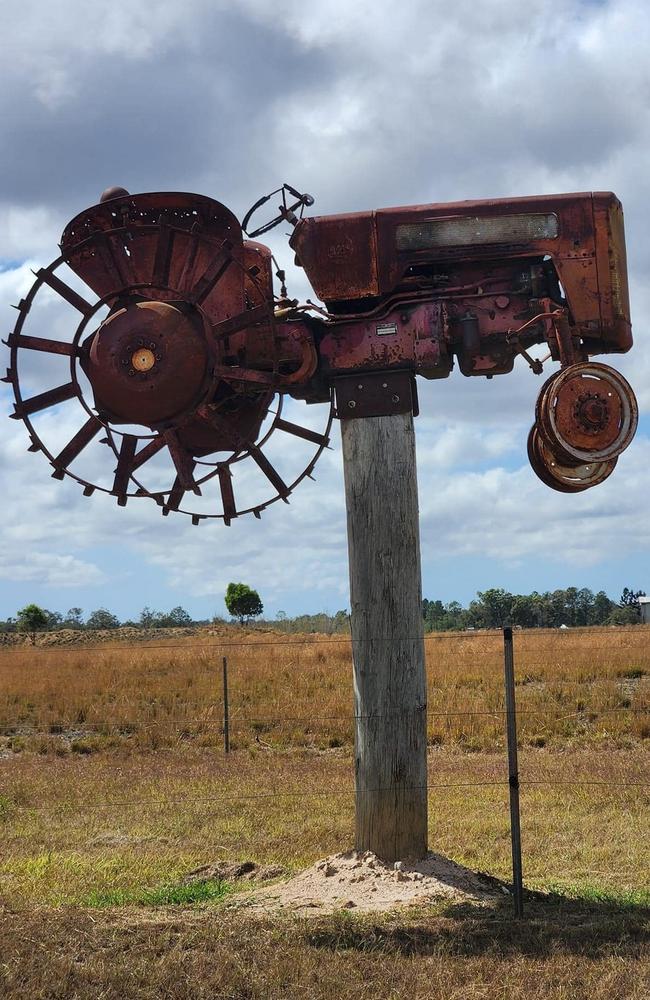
(226, 718)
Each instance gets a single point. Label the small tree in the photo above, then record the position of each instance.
(148, 618)
(179, 617)
(32, 619)
(74, 619)
(242, 602)
(630, 599)
(102, 619)
(54, 619)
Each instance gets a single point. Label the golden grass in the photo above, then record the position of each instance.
(113, 779)
(86, 803)
(581, 686)
(563, 952)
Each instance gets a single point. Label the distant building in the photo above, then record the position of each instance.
(645, 610)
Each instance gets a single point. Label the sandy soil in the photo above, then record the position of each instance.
(364, 883)
(114, 636)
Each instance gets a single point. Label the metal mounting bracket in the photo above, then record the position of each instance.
(377, 394)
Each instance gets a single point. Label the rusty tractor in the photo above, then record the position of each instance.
(181, 348)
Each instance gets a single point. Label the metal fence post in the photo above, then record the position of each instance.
(513, 772)
(226, 718)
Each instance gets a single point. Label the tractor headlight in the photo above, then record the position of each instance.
(464, 231)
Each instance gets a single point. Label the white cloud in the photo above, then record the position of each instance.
(31, 232)
(443, 446)
(510, 515)
(365, 105)
(52, 570)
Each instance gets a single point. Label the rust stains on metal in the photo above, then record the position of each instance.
(199, 352)
(362, 256)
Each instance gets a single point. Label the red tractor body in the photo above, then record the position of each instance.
(431, 281)
(194, 345)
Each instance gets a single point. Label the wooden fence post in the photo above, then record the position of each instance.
(387, 635)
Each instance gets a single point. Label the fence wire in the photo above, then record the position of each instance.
(214, 722)
(278, 794)
(317, 640)
(129, 727)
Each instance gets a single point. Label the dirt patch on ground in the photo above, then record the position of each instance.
(361, 882)
(124, 635)
(234, 871)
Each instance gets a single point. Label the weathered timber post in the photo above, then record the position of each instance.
(387, 635)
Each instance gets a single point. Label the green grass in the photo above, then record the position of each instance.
(101, 824)
(593, 893)
(164, 895)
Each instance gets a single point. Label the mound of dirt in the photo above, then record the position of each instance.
(128, 635)
(233, 871)
(362, 882)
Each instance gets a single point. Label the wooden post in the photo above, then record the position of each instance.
(387, 636)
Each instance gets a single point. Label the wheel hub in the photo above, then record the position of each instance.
(591, 413)
(144, 358)
(148, 363)
(590, 418)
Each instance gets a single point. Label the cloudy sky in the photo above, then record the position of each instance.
(365, 105)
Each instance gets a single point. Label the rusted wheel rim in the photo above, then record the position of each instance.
(192, 438)
(565, 478)
(587, 413)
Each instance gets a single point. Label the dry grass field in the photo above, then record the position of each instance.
(114, 785)
(582, 686)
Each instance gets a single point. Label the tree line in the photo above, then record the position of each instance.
(242, 602)
(33, 618)
(494, 608)
(572, 607)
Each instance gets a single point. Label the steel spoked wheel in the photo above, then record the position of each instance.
(560, 475)
(587, 413)
(158, 395)
(251, 451)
